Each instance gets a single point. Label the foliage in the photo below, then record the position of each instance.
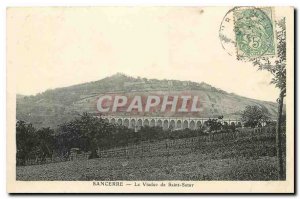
(254, 116)
(276, 65)
(89, 133)
(243, 159)
(33, 144)
(213, 125)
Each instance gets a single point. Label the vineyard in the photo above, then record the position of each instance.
(247, 154)
(184, 146)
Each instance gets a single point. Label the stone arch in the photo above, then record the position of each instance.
(113, 121)
(132, 123)
(106, 120)
(139, 122)
(232, 124)
(166, 124)
(120, 121)
(146, 122)
(185, 124)
(172, 124)
(179, 124)
(192, 124)
(198, 124)
(152, 123)
(159, 123)
(126, 122)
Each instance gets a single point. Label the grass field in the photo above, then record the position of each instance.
(250, 158)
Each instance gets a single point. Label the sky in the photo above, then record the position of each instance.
(58, 47)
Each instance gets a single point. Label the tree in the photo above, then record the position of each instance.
(254, 116)
(277, 67)
(90, 133)
(25, 138)
(32, 143)
(213, 125)
(45, 142)
(86, 133)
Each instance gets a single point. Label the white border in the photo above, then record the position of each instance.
(22, 3)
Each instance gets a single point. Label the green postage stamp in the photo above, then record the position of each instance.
(254, 32)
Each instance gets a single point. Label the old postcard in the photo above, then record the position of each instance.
(150, 100)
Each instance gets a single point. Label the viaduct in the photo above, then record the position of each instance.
(164, 122)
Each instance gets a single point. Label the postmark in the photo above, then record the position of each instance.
(248, 32)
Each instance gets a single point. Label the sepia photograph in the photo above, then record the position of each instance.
(150, 99)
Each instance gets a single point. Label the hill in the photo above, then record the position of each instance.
(56, 106)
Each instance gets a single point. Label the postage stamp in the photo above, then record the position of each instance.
(248, 32)
(254, 32)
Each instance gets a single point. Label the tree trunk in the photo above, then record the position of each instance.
(279, 137)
